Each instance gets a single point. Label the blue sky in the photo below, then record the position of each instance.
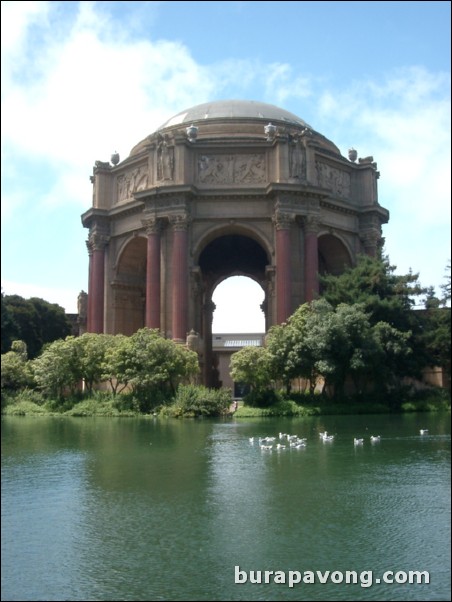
(81, 80)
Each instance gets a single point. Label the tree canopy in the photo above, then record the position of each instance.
(34, 321)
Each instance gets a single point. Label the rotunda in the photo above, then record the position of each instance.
(231, 187)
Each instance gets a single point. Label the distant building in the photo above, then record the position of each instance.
(223, 346)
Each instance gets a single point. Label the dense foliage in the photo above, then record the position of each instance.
(364, 334)
(148, 366)
(33, 321)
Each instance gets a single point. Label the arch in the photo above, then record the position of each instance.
(226, 252)
(334, 255)
(129, 287)
(231, 229)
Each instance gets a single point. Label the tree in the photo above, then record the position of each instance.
(154, 366)
(252, 366)
(57, 369)
(33, 321)
(385, 297)
(91, 351)
(290, 351)
(446, 286)
(340, 343)
(9, 328)
(15, 373)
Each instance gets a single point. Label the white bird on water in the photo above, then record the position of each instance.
(358, 441)
(424, 431)
(374, 438)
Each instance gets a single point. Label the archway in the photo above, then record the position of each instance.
(334, 256)
(228, 255)
(128, 288)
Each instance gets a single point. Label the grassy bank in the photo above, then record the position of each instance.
(101, 404)
(291, 408)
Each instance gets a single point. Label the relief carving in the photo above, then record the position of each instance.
(335, 179)
(232, 169)
(132, 181)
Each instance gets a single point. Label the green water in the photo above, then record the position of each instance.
(149, 509)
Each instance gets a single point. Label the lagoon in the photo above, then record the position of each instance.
(159, 509)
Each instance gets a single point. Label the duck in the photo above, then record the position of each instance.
(423, 431)
(358, 441)
(375, 438)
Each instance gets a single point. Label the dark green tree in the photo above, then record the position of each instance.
(385, 297)
(34, 321)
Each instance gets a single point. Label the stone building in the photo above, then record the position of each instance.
(221, 189)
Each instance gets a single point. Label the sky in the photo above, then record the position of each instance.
(81, 80)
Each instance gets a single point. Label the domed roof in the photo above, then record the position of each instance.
(233, 109)
(225, 112)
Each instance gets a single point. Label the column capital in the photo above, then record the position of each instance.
(97, 241)
(371, 240)
(180, 221)
(311, 224)
(152, 225)
(282, 220)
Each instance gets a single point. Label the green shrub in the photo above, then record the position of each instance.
(197, 400)
(263, 398)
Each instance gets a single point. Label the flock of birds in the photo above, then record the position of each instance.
(286, 441)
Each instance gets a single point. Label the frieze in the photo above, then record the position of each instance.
(232, 169)
(335, 179)
(132, 181)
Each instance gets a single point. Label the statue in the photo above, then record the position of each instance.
(82, 306)
(165, 160)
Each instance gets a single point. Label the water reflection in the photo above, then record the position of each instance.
(144, 509)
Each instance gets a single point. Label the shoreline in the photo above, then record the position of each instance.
(286, 408)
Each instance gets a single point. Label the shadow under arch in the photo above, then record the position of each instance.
(129, 287)
(334, 255)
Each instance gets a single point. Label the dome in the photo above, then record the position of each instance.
(234, 109)
(221, 114)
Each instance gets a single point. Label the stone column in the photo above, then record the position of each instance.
(371, 240)
(89, 317)
(153, 290)
(311, 228)
(98, 243)
(209, 308)
(180, 277)
(282, 223)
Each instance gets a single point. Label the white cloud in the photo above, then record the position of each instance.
(94, 92)
(404, 122)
